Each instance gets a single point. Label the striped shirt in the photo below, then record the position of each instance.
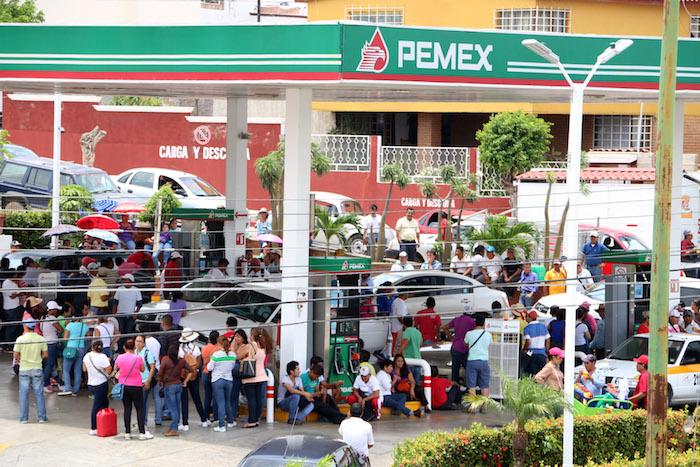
(538, 335)
(221, 365)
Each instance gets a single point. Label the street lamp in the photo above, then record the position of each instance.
(573, 178)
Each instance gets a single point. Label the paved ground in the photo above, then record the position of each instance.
(64, 440)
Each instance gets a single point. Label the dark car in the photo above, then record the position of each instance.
(48, 258)
(27, 182)
(308, 450)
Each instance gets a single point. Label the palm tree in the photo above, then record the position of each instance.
(523, 237)
(331, 226)
(524, 399)
(395, 175)
(462, 190)
(448, 175)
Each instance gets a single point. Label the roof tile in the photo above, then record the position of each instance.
(635, 174)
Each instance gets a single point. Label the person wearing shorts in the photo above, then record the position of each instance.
(478, 370)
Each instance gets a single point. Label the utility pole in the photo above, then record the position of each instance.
(660, 265)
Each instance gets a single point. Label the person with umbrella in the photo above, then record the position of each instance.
(126, 236)
(264, 223)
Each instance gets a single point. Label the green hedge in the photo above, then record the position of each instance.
(599, 437)
(674, 459)
(20, 220)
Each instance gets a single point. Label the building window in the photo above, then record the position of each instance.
(375, 14)
(533, 19)
(695, 27)
(213, 4)
(621, 132)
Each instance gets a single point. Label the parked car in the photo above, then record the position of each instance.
(429, 222)
(595, 296)
(27, 182)
(140, 184)
(18, 152)
(683, 360)
(301, 450)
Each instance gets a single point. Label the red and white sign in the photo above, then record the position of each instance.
(675, 286)
(202, 134)
(375, 54)
(240, 239)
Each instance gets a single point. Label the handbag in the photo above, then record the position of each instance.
(247, 369)
(69, 353)
(118, 389)
(403, 386)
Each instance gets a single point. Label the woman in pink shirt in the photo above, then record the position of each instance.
(130, 367)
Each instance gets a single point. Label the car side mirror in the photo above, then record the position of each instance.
(689, 361)
(180, 192)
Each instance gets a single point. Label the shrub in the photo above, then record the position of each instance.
(675, 459)
(16, 223)
(169, 202)
(600, 437)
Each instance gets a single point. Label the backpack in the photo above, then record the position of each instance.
(191, 361)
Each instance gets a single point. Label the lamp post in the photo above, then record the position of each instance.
(573, 180)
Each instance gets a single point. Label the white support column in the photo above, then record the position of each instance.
(676, 193)
(236, 175)
(55, 208)
(295, 340)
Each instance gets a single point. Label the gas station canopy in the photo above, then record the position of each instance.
(339, 61)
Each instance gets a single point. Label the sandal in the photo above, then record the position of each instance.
(250, 425)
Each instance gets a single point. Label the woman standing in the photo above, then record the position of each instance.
(583, 337)
(207, 351)
(169, 378)
(254, 386)
(405, 382)
(98, 368)
(194, 354)
(107, 331)
(178, 307)
(240, 347)
(550, 375)
(73, 357)
(130, 367)
(220, 367)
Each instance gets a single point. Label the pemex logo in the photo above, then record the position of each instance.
(375, 54)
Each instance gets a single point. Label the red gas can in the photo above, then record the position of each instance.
(106, 422)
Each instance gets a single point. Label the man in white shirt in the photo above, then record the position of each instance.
(398, 311)
(128, 301)
(357, 432)
(11, 307)
(403, 264)
(408, 233)
(584, 278)
(365, 391)
(459, 263)
(493, 265)
(220, 271)
(153, 346)
(397, 400)
(475, 269)
(371, 224)
(687, 324)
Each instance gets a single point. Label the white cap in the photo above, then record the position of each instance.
(364, 370)
(594, 233)
(175, 255)
(262, 211)
(403, 254)
(128, 276)
(52, 305)
(674, 314)
(16, 243)
(92, 266)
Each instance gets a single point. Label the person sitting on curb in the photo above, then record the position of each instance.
(291, 396)
(322, 403)
(445, 393)
(393, 400)
(365, 391)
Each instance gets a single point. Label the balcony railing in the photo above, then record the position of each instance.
(348, 153)
(423, 163)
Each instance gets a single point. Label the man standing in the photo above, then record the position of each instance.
(639, 396)
(528, 287)
(459, 350)
(459, 263)
(537, 342)
(408, 232)
(128, 301)
(403, 264)
(583, 276)
(11, 307)
(357, 433)
(51, 330)
(431, 262)
(370, 231)
(478, 370)
(429, 323)
(30, 350)
(555, 279)
(592, 379)
(591, 253)
(98, 294)
(410, 345)
(398, 311)
(493, 265)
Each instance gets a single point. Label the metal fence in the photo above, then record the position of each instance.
(348, 153)
(423, 163)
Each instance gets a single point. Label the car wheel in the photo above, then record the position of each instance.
(15, 206)
(356, 245)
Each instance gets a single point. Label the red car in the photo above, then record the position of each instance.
(429, 221)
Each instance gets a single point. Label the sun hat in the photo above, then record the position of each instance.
(34, 301)
(556, 352)
(188, 335)
(556, 261)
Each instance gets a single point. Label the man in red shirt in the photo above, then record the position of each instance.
(171, 275)
(429, 323)
(445, 394)
(140, 254)
(639, 396)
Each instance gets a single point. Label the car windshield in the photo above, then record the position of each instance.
(637, 345)
(350, 205)
(597, 292)
(632, 242)
(204, 292)
(386, 277)
(248, 304)
(96, 182)
(199, 187)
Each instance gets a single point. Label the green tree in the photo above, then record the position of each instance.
(464, 192)
(524, 399)
(74, 202)
(395, 175)
(4, 139)
(270, 172)
(27, 227)
(448, 176)
(169, 203)
(512, 143)
(141, 101)
(19, 11)
(331, 226)
(523, 237)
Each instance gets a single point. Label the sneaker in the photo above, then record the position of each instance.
(65, 393)
(231, 425)
(171, 433)
(46, 420)
(74, 394)
(145, 435)
(220, 429)
(183, 428)
(24, 421)
(93, 433)
(48, 390)
(91, 396)
(61, 388)
(206, 424)
(127, 436)
(417, 413)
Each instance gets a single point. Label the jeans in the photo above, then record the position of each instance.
(209, 400)
(596, 272)
(527, 302)
(193, 389)
(133, 395)
(235, 392)
(10, 332)
(50, 363)
(255, 401)
(409, 248)
(397, 401)
(101, 401)
(293, 403)
(173, 395)
(222, 395)
(166, 249)
(452, 398)
(415, 371)
(478, 373)
(459, 360)
(130, 245)
(73, 371)
(31, 379)
(537, 362)
(155, 389)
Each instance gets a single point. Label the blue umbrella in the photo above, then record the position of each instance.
(61, 229)
(105, 235)
(106, 204)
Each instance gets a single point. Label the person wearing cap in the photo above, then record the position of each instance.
(11, 306)
(551, 375)
(15, 246)
(191, 353)
(31, 350)
(32, 273)
(536, 339)
(128, 301)
(365, 391)
(478, 370)
(398, 311)
(51, 330)
(674, 317)
(688, 324)
(590, 377)
(639, 395)
(403, 264)
(98, 294)
(555, 279)
(459, 350)
(429, 323)
(591, 253)
(171, 275)
(583, 277)
(357, 433)
(644, 327)
(408, 234)
(492, 264)
(273, 270)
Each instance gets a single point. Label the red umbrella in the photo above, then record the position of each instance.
(97, 221)
(129, 207)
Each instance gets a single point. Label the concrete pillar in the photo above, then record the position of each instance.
(236, 175)
(296, 338)
(676, 194)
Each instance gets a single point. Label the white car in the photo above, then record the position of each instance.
(139, 185)
(595, 296)
(683, 360)
(452, 292)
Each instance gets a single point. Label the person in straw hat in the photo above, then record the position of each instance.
(193, 356)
